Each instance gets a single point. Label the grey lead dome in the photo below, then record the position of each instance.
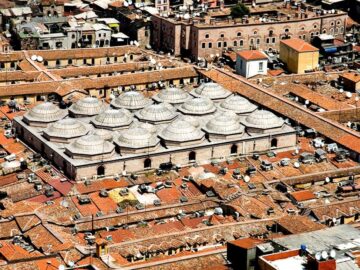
(226, 123)
(45, 112)
(181, 131)
(131, 100)
(172, 95)
(198, 106)
(263, 119)
(66, 128)
(87, 106)
(113, 119)
(90, 145)
(211, 90)
(237, 104)
(153, 113)
(136, 137)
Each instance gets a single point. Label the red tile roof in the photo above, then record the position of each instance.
(351, 76)
(303, 195)
(14, 253)
(252, 55)
(246, 243)
(299, 45)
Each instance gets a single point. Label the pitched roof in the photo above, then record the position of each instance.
(251, 55)
(303, 195)
(246, 243)
(299, 45)
(299, 224)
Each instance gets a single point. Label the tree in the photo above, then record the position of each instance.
(239, 10)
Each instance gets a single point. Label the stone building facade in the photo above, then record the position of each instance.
(204, 127)
(203, 37)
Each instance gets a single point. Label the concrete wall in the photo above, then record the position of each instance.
(297, 62)
(249, 69)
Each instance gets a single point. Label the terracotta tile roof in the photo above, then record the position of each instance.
(8, 229)
(44, 240)
(8, 179)
(64, 87)
(85, 209)
(13, 253)
(105, 204)
(336, 210)
(303, 195)
(119, 235)
(317, 99)
(18, 208)
(252, 55)
(298, 224)
(103, 69)
(246, 243)
(351, 76)
(275, 72)
(63, 187)
(27, 222)
(299, 45)
(86, 52)
(99, 185)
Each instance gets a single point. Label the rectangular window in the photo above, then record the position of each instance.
(203, 45)
(267, 40)
(225, 44)
(261, 66)
(273, 40)
(210, 45)
(219, 44)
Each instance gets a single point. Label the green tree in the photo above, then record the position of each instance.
(239, 10)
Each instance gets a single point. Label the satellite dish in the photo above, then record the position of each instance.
(33, 57)
(348, 94)
(307, 102)
(126, 4)
(341, 90)
(246, 179)
(71, 263)
(349, 124)
(61, 267)
(40, 58)
(318, 256)
(296, 164)
(324, 255)
(112, 97)
(327, 180)
(332, 253)
(130, 2)
(21, 159)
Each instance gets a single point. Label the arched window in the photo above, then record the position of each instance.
(192, 156)
(233, 149)
(274, 142)
(147, 163)
(101, 170)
